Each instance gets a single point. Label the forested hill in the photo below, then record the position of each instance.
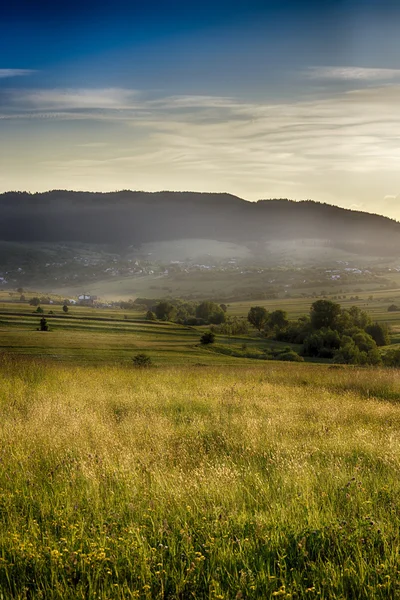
(128, 217)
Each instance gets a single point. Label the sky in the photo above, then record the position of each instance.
(261, 99)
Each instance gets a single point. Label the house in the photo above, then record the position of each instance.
(85, 299)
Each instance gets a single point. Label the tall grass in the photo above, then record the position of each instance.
(269, 481)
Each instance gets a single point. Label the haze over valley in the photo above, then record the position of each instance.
(126, 244)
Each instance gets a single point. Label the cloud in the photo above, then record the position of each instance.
(341, 149)
(93, 145)
(352, 73)
(4, 73)
(74, 99)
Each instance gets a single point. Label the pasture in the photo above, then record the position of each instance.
(97, 336)
(275, 481)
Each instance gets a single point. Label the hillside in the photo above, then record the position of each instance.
(133, 218)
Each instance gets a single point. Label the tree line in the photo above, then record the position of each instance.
(329, 331)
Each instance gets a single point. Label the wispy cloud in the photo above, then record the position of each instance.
(342, 148)
(93, 145)
(4, 73)
(73, 99)
(352, 73)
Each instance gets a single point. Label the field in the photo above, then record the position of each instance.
(281, 481)
(97, 336)
(111, 335)
(206, 476)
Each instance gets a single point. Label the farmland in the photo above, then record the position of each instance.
(101, 335)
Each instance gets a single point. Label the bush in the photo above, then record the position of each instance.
(207, 338)
(392, 358)
(393, 308)
(43, 324)
(291, 356)
(150, 316)
(142, 360)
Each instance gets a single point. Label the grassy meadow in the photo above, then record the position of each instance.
(275, 481)
(207, 476)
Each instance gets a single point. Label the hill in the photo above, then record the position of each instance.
(133, 218)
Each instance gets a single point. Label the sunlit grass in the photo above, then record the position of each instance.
(270, 481)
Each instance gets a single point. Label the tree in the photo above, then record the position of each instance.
(22, 298)
(210, 312)
(322, 343)
(43, 324)
(325, 313)
(207, 338)
(20, 290)
(393, 308)
(150, 316)
(363, 341)
(65, 308)
(165, 311)
(380, 333)
(258, 317)
(35, 301)
(39, 309)
(348, 352)
(277, 320)
(359, 317)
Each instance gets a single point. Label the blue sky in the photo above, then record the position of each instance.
(260, 99)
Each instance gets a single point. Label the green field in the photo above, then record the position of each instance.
(208, 476)
(204, 482)
(95, 336)
(101, 335)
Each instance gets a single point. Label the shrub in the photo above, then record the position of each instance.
(291, 356)
(150, 316)
(392, 358)
(207, 338)
(393, 308)
(43, 324)
(142, 360)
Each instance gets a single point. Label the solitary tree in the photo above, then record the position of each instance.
(65, 308)
(43, 324)
(207, 338)
(258, 317)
